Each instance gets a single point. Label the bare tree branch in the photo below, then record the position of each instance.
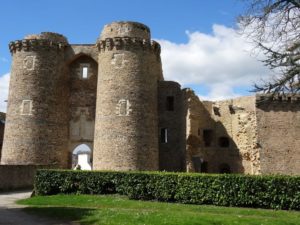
(274, 27)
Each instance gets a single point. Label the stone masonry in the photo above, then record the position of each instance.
(252, 135)
(2, 124)
(111, 96)
(126, 112)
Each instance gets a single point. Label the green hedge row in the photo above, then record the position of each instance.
(275, 192)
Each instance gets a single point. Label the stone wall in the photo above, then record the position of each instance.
(2, 125)
(74, 51)
(126, 129)
(235, 120)
(221, 136)
(126, 29)
(251, 135)
(82, 101)
(142, 122)
(171, 124)
(14, 177)
(1, 136)
(278, 125)
(36, 129)
(198, 119)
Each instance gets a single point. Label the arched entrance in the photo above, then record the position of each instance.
(81, 157)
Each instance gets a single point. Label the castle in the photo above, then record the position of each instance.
(112, 97)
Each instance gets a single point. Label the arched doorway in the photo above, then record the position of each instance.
(81, 157)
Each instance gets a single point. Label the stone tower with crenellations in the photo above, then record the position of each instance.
(36, 128)
(110, 98)
(126, 109)
(104, 95)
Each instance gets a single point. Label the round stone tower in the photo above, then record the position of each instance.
(126, 130)
(36, 129)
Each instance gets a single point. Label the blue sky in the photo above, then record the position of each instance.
(197, 28)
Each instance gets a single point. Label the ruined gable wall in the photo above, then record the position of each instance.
(234, 119)
(278, 124)
(195, 122)
(237, 121)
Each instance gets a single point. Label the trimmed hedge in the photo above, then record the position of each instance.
(275, 192)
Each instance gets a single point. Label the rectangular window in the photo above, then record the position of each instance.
(123, 107)
(26, 107)
(204, 167)
(164, 135)
(170, 103)
(216, 111)
(85, 72)
(207, 137)
(196, 163)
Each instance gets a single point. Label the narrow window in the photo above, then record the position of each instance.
(224, 142)
(170, 103)
(26, 107)
(231, 109)
(216, 111)
(164, 135)
(85, 72)
(123, 107)
(207, 137)
(204, 167)
(196, 163)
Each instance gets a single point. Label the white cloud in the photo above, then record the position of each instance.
(4, 83)
(221, 61)
(219, 92)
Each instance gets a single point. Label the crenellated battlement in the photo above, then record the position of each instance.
(125, 29)
(110, 96)
(269, 98)
(35, 44)
(128, 43)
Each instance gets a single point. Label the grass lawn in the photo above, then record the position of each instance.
(113, 210)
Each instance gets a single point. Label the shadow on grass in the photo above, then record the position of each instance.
(63, 213)
(168, 216)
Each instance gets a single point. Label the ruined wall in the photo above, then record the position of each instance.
(197, 119)
(126, 129)
(236, 120)
(36, 130)
(14, 177)
(171, 126)
(222, 135)
(278, 124)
